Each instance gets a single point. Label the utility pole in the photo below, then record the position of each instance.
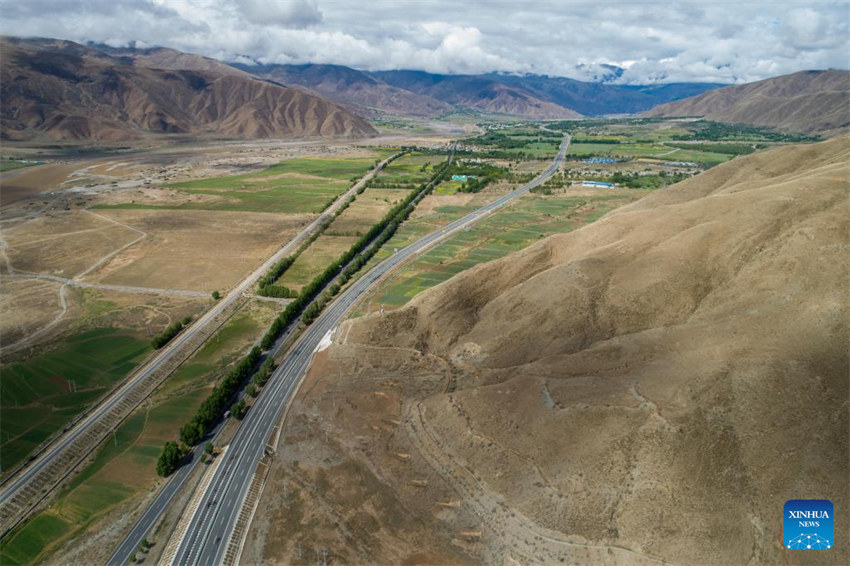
(115, 438)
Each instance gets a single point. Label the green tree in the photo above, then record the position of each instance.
(169, 459)
(216, 295)
(191, 432)
(238, 409)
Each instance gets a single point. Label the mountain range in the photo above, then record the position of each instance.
(64, 90)
(419, 93)
(58, 89)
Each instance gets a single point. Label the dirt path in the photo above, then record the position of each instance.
(112, 254)
(669, 152)
(75, 282)
(106, 287)
(26, 340)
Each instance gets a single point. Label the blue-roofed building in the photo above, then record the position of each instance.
(598, 184)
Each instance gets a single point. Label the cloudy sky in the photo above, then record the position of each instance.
(718, 41)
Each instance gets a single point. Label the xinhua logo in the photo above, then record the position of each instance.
(808, 524)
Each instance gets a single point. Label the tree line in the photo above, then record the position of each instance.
(214, 406)
(266, 282)
(348, 263)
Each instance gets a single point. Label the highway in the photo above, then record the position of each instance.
(207, 536)
(16, 483)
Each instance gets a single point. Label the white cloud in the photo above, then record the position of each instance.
(653, 41)
(287, 13)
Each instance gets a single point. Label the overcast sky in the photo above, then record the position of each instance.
(717, 40)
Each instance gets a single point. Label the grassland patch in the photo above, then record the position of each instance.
(43, 393)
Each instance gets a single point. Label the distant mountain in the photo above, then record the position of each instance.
(418, 93)
(599, 72)
(476, 92)
(808, 101)
(351, 88)
(594, 99)
(63, 90)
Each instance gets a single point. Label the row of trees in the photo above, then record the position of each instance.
(277, 270)
(348, 264)
(266, 283)
(214, 406)
(278, 291)
(166, 335)
(264, 373)
(599, 140)
(172, 454)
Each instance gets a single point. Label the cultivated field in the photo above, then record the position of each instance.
(123, 471)
(293, 186)
(104, 335)
(519, 225)
(147, 261)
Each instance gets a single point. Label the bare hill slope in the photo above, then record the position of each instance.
(809, 101)
(63, 90)
(651, 387)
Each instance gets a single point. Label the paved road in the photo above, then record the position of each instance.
(207, 536)
(17, 481)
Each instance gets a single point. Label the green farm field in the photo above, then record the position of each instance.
(369, 207)
(312, 261)
(36, 401)
(408, 171)
(639, 150)
(125, 466)
(9, 165)
(294, 185)
(533, 217)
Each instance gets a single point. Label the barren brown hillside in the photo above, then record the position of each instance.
(652, 387)
(63, 90)
(809, 101)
